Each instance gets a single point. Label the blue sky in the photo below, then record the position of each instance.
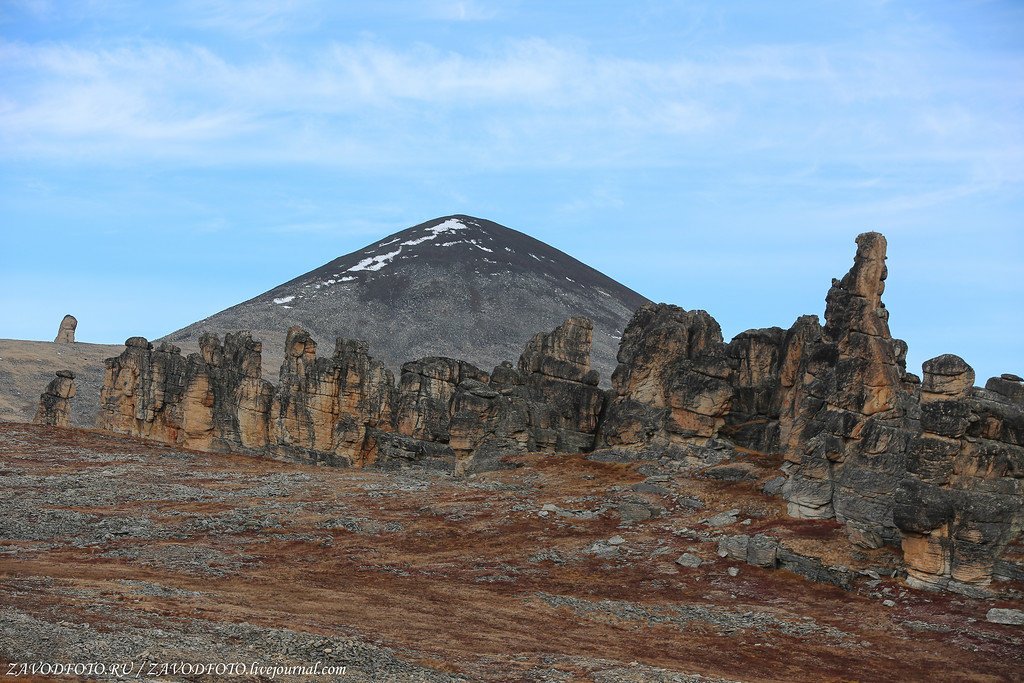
(161, 161)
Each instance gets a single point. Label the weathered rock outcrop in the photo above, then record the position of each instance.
(346, 410)
(66, 331)
(213, 400)
(753, 419)
(55, 403)
(963, 499)
(565, 402)
(672, 385)
(426, 396)
(551, 403)
(932, 466)
(852, 413)
(328, 409)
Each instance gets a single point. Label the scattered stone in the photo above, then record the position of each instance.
(734, 547)
(633, 512)
(723, 518)
(1013, 617)
(733, 571)
(688, 560)
(616, 540)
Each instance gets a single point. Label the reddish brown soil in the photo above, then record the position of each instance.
(456, 585)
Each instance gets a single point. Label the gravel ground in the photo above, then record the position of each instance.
(115, 550)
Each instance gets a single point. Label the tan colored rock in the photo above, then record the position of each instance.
(847, 406)
(426, 396)
(55, 403)
(946, 376)
(328, 409)
(213, 400)
(66, 331)
(143, 390)
(672, 385)
(962, 502)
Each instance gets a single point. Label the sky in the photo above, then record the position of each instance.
(162, 161)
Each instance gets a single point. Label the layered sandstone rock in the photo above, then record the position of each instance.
(235, 399)
(55, 403)
(426, 396)
(756, 357)
(213, 400)
(143, 390)
(963, 499)
(66, 331)
(550, 403)
(329, 409)
(672, 384)
(346, 410)
(852, 410)
(933, 466)
(561, 388)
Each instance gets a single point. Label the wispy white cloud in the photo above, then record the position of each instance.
(66, 97)
(525, 102)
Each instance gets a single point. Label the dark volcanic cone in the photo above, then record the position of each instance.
(455, 286)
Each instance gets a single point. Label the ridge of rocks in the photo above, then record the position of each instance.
(933, 466)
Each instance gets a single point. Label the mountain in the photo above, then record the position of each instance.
(454, 286)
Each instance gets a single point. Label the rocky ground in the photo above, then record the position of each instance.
(564, 569)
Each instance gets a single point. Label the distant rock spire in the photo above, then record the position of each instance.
(66, 331)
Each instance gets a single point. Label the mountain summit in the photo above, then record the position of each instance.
(454, 286)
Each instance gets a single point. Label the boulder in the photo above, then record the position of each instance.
(999, 615)
(688, 560)
(946, 376)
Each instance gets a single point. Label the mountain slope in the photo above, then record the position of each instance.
(454, 286)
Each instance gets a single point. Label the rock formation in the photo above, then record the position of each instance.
(933, 466)
(327, 409)
(213, 400)
(963, 499)
(346, 409)
(55, 403)
(753, 419)
(66, 331)
(426, 396)
(549, 404)
(853, 412)
(672, 384)
(565, 402)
